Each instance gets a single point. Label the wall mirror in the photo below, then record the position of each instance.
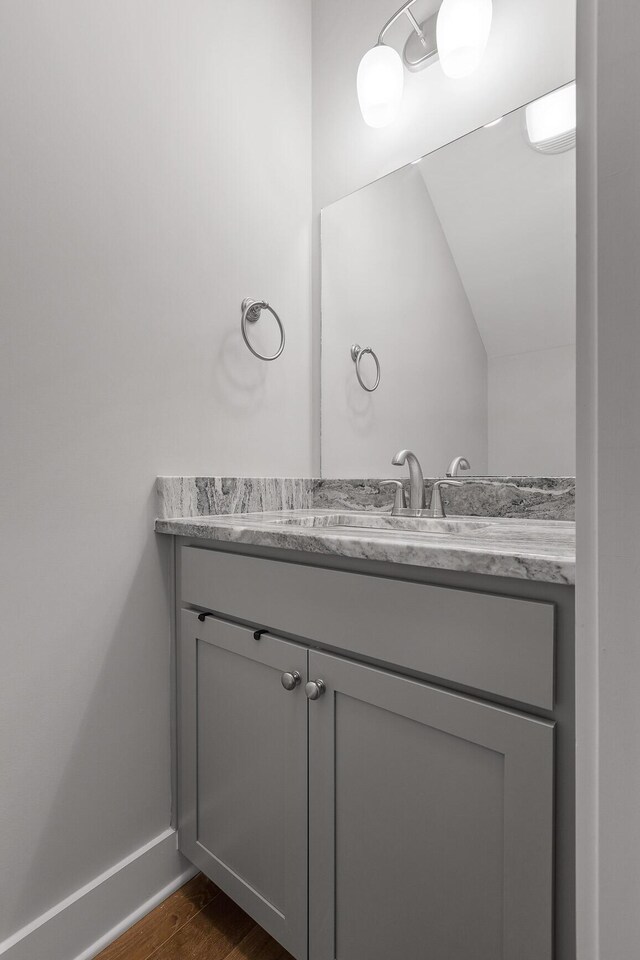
(459, 272)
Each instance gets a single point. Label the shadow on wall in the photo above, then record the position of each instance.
(359, 403)
(132, 681)
(238, 378)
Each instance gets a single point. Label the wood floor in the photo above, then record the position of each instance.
(198, 922)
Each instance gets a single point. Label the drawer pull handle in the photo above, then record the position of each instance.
(314, 689)
(203, 616)
(291, 680)
(259, 634)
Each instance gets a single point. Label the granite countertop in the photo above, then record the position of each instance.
(541, 550)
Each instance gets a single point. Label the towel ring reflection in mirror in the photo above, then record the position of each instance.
(251, 310)
(357, 353)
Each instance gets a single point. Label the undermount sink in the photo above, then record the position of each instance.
(383, 522)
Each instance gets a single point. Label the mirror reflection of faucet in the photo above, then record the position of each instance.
(459, 463)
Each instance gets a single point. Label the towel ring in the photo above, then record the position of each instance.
(251, 310)
(357, 353)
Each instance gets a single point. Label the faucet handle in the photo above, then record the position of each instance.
(437, 510)
(399, 502)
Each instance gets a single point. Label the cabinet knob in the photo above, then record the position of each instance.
(290, 680)
(314, 689)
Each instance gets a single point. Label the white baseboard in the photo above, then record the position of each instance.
(94, 916)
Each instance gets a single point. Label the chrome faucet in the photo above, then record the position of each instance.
(417, 500)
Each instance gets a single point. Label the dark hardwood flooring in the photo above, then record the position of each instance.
(198, 922)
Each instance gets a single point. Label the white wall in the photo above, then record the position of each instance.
(390, 282)
(609, 460)
(532, 413)
(153, 174)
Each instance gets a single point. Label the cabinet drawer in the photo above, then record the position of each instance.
(500, 645)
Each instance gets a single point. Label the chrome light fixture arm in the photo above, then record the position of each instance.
(405, 9)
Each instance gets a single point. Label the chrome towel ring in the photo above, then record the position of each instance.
(357, 353)
(251, 310)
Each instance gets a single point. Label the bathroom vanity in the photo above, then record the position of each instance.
(376, 712)
(375, 741)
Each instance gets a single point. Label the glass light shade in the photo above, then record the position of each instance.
(380, 85)
(553, 116)
(462, 32)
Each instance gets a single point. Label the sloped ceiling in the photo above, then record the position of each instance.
(509, 216)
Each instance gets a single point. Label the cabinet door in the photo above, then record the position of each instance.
(431, 822)
(243, 771)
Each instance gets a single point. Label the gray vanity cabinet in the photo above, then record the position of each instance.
(388, 815)
(431, 822)
(243, 770)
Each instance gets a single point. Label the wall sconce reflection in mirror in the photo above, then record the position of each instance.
(456, 35)
(357, 353)
(551, 121)
(251, 311)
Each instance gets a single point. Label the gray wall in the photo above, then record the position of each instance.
(608, 464)
(532, 413)
(153, 175)
(509, 215)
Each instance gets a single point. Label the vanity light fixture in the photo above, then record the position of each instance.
(457, 35)
(551, 121)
